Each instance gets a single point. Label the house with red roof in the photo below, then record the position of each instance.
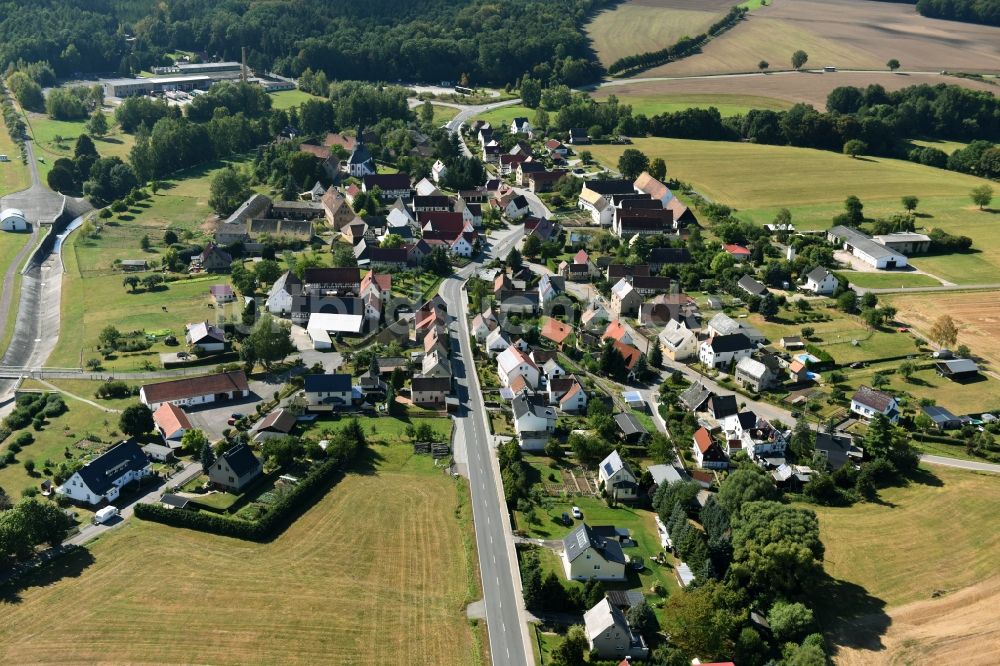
(556, 331)
(738, 252)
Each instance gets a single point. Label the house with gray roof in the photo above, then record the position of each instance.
(748, 284)
(617, 477)
(235, 468)
(609, 634)
(820, 282)
(865, 248)
(587, 554)
(632, 431)
(102, 478)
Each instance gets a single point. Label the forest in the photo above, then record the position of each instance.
(476, 41)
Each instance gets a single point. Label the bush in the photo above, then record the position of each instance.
(23, 439)
(277, 518)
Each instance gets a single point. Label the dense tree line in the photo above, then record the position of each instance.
(683, 47)
(474, 40)
(972, 11)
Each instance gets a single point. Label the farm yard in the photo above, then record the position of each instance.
(728, 172)
(977, 315)
(378, 572)
(650, 25)
(873, 33)
(930, 551)
(807, 87)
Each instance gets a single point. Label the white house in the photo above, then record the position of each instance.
(593, 553)
(707, 452)
(600, 209)
(678, 342)
(517, 207)
(438, 171)
(496, 342)
(820, 281)
(171, 422)
(196, 390)
(102, 478)
(281, 298)
(205, 337)
(483, 324)
(534, 421)
(867, 402)
(328, 392)
(721, 350)
(574, 400)
(520, 125)
(512, 362)
(617, 477)
(763, 440)
(12, 219)
(723, 324)
(609, 634)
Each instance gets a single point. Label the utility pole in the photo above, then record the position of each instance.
(243, 69)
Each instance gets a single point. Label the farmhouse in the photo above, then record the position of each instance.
(867, 402)
(599, 208)
(235, 468)
(737, 252)
(678, 342)
(587, 555)
(196, 390)
(429, 391)
(820, 281)
(222, 293)
(102, 478)
(215, 259)
(391, 186)
(512, 362)
(646, 184)
(610, 636)
(864, 248)
(664, 256)
(171, 422)
(617, 477)
(625, 300)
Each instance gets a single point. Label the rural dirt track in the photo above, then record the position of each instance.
(977, 315)
(960, 628)
(809, 87)
(848, 34)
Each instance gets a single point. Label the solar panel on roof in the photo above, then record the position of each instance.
(581, 539)
(608, 469)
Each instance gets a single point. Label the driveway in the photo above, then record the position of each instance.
(127, 509)
(213, 418)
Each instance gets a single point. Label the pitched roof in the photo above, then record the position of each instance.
(751, 367)
(431, 384)
(630, 353)
(817, 274)
(703, 439)
(749, 284)
(958, 366)
(734, 249)
(873, 398)
(664, 473)
(178, 389)
(669, 255)
(534, 404)
(615, 330)
(280, 420)
(608, 187)
(722, 406)
(556, 331)
(629, 425)
(695, 396)
(170, 418)
(204, 330)
(241, 460)
(651, 186)
(387, 181)
(583, 538)
(574, 388)
(100, 473)
(622, 288)
(512, 357)
(346, 275)
(333, 383)
(729, 343)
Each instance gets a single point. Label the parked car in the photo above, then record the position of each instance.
(577, 513)
(231, 422)
(637, 563)
(236, 415)
(567, 521)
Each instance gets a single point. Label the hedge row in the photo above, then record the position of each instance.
(278, 516)
(685, 46)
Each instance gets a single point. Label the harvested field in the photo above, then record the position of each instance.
(378, 572)
(650, 25)
(950, 630)
(728, 105)
(849, 34)
(808, 87)
(943, 533)
(977, 315)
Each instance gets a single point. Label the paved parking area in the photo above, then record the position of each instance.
(212, 418)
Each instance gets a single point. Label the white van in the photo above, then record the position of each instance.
(105, 515)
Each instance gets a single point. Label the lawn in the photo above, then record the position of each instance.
(970, 397)
(730, 173)
(947, 146)
(938, 535)
(728, 105)
(639, 522)
(442, 114)
(45, 130)
(13, 174)
(58, 436)
(330, 589)
(287, 99)
(84, 388)
(886, 280)
(387, 429)
(505, 114)
(837, 336)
